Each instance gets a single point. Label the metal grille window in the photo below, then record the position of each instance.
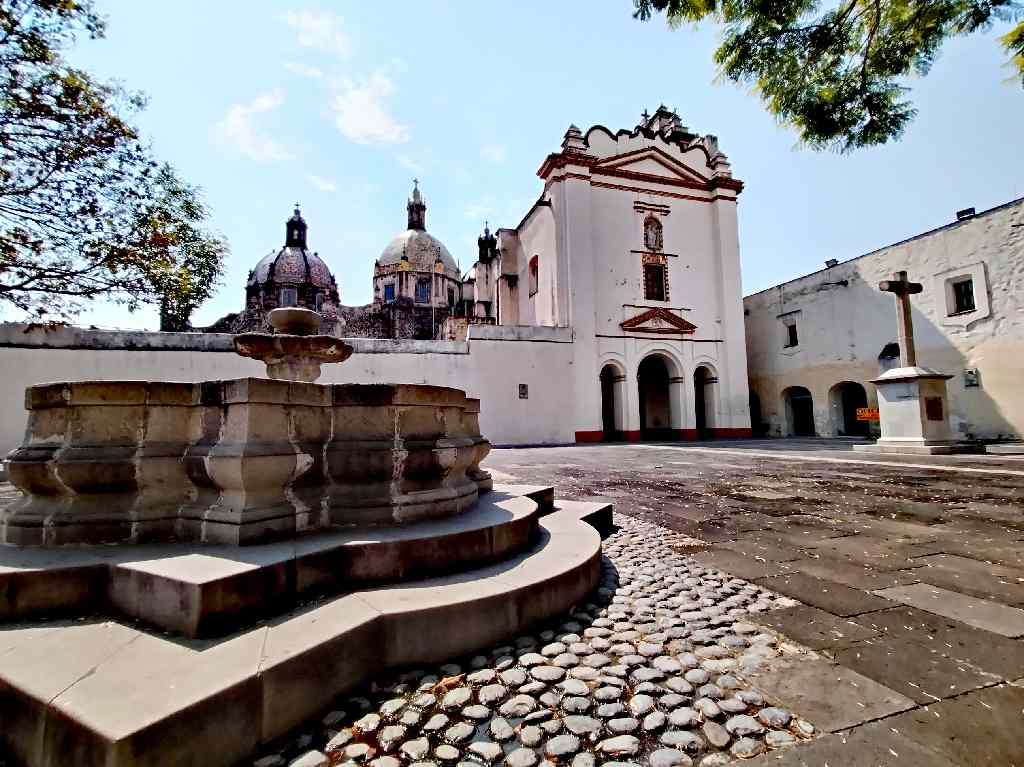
(963, 296)
(389, 293)
(655, 288)
(423, 291)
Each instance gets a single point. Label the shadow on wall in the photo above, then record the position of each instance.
(818, 399)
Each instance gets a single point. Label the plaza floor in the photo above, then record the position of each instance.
(786, 602)
(909, 571)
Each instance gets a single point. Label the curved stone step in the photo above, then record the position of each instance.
(201, 590)
(105, 693)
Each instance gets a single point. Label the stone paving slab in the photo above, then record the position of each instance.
(980, 729)
(976, 578)
(735, 563)
(990, 652)
(870, 552)
(839, 697)
(830, 596)
(919, 671)
(980, 613)
(870, 745)
(758, 549)
(815, 628)
(857, 576)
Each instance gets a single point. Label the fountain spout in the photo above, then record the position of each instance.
(294, 351)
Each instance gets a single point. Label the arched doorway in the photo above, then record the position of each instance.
(704, 381)
(845, 397)
(611, 402)
(799, 411)
(655, 401)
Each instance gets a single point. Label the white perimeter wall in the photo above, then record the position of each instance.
(491, 365)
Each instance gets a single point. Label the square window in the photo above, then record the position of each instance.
(423, 292)
(289, 297)
(389, 293)
(963, 296)
(792, 338)
(654, 282)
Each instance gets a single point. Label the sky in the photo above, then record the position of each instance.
(339, 105)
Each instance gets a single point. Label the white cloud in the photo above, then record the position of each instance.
(361, 114)
(321, 31)
(409, 164)
(303, 70)
(239, 130)
(495, 153)
(321, 183)
(479, 210)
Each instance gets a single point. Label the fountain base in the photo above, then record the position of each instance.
(239, 461)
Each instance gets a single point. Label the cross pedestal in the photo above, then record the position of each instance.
(912, 405)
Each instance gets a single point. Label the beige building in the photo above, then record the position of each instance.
(815, 343)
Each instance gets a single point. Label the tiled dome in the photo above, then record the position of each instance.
(293, 264)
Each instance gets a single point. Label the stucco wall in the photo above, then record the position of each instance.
(843, 328)
(490, 365)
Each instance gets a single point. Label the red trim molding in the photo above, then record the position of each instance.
(631, 436)
(584, 437)
(679, 326)
(732, 433)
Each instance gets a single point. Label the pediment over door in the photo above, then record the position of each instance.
(658, 320)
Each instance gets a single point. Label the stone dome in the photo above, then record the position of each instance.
(421, 248)
(294, 264)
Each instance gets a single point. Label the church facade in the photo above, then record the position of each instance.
(633, 244)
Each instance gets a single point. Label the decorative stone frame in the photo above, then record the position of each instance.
(656, 259)
(945, 305)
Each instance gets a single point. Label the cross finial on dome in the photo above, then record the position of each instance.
(295, 230)
(417, 208)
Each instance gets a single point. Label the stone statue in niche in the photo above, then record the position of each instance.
(652, 234)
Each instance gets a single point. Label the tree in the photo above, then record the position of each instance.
(836, 73)
(85, 212)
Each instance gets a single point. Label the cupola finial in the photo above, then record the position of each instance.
(295, 230)
(416, 208)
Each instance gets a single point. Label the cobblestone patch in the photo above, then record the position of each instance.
(650, 672)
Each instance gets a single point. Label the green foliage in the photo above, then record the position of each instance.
(837, 73)
(85, 212)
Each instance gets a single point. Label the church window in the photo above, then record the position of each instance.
(423, 291)
(451, 296)
(655, 282)
(963, 296)
(389, 292)
(534, 274)
(319, 302)
(653, 234)
(288, 297)
(792, 338)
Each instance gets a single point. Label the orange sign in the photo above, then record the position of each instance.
(867, 414)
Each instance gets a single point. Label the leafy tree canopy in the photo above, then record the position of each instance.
(85, 212)
(835, 71)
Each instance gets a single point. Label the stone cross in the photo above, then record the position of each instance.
(903, 289)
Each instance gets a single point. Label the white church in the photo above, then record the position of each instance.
(612, 311)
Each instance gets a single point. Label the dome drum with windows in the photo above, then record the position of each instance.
(293, 276)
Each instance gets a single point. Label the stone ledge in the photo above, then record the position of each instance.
(105, 693)
(202, 590)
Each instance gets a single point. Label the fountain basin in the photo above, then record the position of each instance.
(292, 357)
(238, 461)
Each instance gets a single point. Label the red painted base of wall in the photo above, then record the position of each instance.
(732, 433)
(683, 435)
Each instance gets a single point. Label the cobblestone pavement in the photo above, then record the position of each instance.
(650, 673)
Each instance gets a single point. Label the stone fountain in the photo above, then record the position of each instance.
(242, 461)
(370, 544)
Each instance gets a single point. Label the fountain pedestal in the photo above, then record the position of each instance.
(239, 461)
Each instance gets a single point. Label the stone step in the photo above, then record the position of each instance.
(200, 590)
(106, 693)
